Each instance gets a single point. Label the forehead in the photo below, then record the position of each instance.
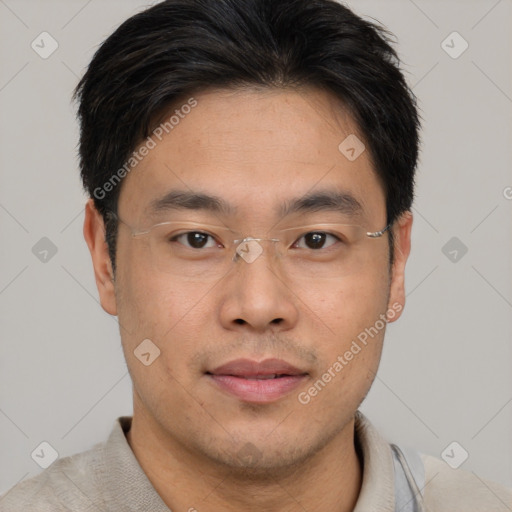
(257, 150)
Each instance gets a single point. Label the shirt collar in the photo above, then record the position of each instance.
(378, 487)
(128, 487)
(128, 484)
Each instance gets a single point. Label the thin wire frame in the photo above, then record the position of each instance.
(170, 256)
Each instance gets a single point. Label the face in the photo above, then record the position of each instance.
(272, 159)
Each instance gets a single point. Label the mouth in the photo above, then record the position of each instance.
(257, 382)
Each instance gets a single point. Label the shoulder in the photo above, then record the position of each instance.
(448, 489)
(70, 483)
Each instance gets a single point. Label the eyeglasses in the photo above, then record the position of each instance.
(202, 252)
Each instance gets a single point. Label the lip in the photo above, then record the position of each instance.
(250, 380)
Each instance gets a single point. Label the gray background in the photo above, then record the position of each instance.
(446, 370)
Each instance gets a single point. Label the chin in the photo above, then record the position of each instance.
(264, 457)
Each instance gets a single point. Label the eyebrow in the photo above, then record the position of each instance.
(323, 200)
(185, 200)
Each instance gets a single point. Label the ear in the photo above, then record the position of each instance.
(402, 239)
(94, 234)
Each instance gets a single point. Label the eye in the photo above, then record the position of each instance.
(316, 240)
(195, 240)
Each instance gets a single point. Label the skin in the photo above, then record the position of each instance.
(255, 149)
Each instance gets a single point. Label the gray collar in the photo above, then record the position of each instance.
(127, 483)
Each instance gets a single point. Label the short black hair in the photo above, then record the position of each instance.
(180, 47)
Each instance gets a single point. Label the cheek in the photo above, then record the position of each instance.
(151, 305)
(349, 323)
(351, 304)
(149, 302)
(350, 349)
(152, 308)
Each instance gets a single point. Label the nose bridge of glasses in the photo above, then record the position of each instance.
(249, 249)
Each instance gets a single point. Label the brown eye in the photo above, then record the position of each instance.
(316, 240)
(195, 240)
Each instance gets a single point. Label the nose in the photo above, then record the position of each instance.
(255, 295)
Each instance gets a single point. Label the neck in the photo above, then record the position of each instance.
(329, 480)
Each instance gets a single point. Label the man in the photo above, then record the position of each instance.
(250, 165)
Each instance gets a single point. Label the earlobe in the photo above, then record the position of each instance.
(94, 234)
(402, 248)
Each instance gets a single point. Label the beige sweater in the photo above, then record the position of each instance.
(108, 478)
